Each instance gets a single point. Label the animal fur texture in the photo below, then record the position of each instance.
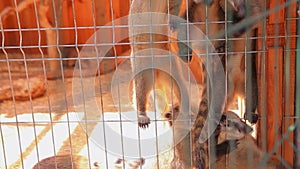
(241, 152)
(144, 48)
(239, 41)
(203, 11)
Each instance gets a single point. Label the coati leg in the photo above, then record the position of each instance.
(141, 41)
(251, 89)
(237, 81)
(141, 7)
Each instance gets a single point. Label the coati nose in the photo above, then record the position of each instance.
(168, 115)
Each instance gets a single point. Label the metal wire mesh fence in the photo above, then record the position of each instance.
(219, 81)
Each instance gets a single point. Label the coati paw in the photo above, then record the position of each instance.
(143, 120)
(253, 118)
(176, 164)
(171, 114)
(133, 164)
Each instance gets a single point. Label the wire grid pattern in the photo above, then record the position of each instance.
(66, 118)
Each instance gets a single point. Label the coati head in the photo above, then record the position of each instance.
(231, 127)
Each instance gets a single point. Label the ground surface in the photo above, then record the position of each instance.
(62, 120)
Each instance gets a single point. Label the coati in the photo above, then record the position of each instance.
(236, 148)
(235, 61)
(153, 42)
(142, 45)
(143, 82)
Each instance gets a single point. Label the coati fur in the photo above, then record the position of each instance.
(141, 45)
(237, 148)
(143, 81)
(234, 62)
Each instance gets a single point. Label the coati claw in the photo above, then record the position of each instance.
(144, 121)
(132, 164)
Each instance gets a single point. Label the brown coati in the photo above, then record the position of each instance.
(240, 40)
(236, 148)
(142, 44)
(152, 41)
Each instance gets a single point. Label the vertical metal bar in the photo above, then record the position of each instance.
(171, 82)
(153, 82)
(27, 76)
(288, 56)
(99, 78)
(277, 104)
(57, 26)
(189, 78)
(297, 93)
(133, 57)
(263, 81)
(119, 96)
(248, 75)
(227, 17)
(81, 83)
(56, 19)
(45, 76)
(1, 131)
(172, 85)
